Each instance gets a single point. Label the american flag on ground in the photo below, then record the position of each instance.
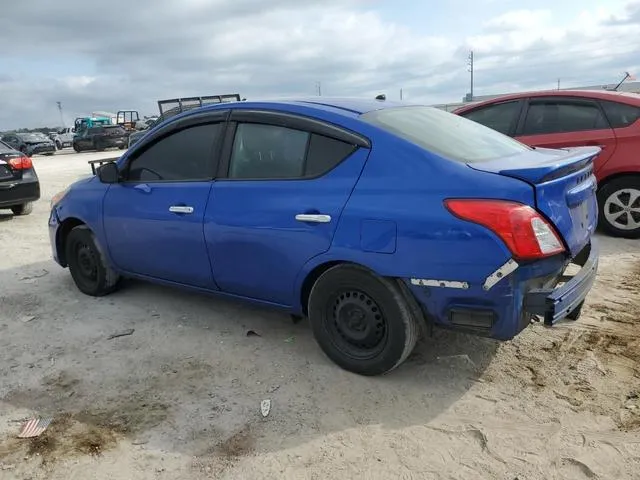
(34, 427)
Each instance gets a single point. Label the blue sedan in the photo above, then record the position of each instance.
(376, 220)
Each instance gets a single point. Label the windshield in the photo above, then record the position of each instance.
(445, 134)
(33, 137)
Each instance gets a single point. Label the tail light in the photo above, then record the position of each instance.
(526, 233)
(20, 163)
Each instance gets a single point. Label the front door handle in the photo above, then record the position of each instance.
(180, 209)
(313, 218)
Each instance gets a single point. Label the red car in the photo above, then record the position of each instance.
(571, 118)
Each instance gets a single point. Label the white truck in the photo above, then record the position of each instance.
(64, 137)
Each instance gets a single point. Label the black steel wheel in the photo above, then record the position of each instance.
(362, 322)
(86, 263)
(356, 323)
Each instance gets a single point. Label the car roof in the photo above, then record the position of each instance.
(622, 97)
(351, 107)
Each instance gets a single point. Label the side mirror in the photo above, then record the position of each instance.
(108, 173)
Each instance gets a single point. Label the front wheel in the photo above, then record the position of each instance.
(58, 146)
(89, 270)
(76, 148)
(361, 321)
(619, 204)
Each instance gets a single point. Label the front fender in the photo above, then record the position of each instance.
(83, 204)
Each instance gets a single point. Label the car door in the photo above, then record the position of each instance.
(83, 139)
(276, 204)
(557, 122)
(153, 218)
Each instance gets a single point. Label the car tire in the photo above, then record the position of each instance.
(89, 270)
(76, 148)
(24, 209)
(59, 145)
(361, 321)
(613, 198)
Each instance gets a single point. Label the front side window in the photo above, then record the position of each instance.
(446, 134)
(185, 155)
(544, 117)
(499, 117)
(262, 151)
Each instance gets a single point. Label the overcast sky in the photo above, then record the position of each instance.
(128, 54)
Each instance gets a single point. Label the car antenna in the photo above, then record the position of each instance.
(626, 75)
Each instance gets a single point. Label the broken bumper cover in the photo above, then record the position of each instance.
(555, 304)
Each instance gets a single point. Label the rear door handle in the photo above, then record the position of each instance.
(180, 209)
(313, 218)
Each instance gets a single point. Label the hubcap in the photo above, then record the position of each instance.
(87, 261)
(357, 324)
(622, 209)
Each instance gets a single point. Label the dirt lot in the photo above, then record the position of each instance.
(180, 397)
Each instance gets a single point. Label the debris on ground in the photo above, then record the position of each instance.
(252, 333)
(265, 407)
(122, 333)
(35, 427)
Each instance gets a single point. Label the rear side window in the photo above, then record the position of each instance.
(262, 151)
(620, 115)
(500, 117)
(325, 153)
(562, 117)
(451, 136)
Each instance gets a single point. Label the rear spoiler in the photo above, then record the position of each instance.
(98, 163)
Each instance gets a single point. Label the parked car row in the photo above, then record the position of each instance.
(562, 118)
(30, 143)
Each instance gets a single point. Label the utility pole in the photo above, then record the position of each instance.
(558, 84)
(319, 88)
(400, 94)
(61, 115)
(470, 64)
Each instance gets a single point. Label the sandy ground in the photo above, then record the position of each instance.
(180, 398)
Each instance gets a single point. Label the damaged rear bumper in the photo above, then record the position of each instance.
(555, 304)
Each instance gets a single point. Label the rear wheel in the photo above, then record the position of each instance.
(24, 209)
(361, 321)
(89, 270)
(619, 203)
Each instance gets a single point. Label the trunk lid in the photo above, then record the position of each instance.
(8, 174)
(564, 185)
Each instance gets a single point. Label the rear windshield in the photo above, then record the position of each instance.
(448, 135)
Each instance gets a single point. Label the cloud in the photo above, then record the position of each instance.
(130, 54)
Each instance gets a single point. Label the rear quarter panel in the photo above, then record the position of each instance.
(396, 224)
(627, 154)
